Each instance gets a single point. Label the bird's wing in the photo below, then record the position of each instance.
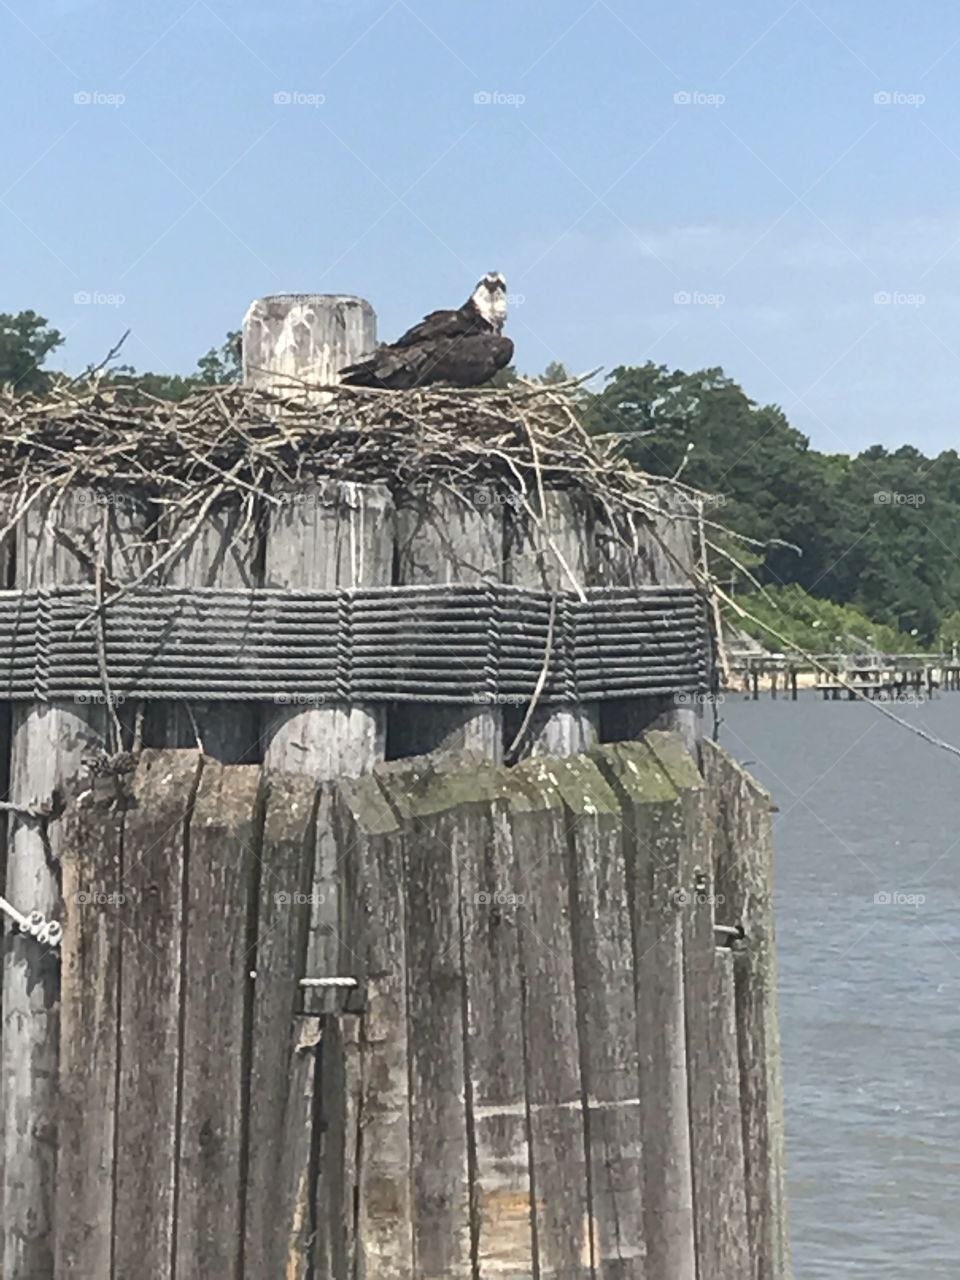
(438, 324)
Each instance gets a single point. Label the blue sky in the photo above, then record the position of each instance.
(695, 184)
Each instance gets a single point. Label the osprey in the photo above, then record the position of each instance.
(463, 348)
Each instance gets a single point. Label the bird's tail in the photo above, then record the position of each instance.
(359, 374)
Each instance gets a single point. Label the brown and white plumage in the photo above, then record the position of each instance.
(463, 348)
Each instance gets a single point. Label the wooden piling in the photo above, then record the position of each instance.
(554, 553)
(222, 551)
(555, 1107)
(279, 1212)
(155, 825)
(432, 800)
(374, 951)
(659, 840)
(224, 849)
(496, 1086)
(665, 554)
(322, 536)
(293, 341)
(744, 874)
(713, 1071)
(442, 538)
(48, 743)
(93, 901)
(606, 1018)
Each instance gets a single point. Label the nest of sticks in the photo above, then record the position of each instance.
(236, 443)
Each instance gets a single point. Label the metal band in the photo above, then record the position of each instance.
(446, 644)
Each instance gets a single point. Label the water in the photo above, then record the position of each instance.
(870, 987)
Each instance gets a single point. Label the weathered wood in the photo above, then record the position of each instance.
(322, 536)
(435, 800)
(713, 1070)
(373, 950)
(278, 1221)
(221, 552)
(333, 536)
(555, 1107)
(606, 1018)
(741, 811)
(665, 554)
(554, 553)
(93, 911)
(162, 793)
(659, 837)
(223, 853)
(47, 747)
(496, 1094)
(441, 539)
(293, 339)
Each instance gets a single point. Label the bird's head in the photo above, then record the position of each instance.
(490, 299)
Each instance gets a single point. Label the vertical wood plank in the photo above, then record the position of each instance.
(719, 1185)
(373, 948)
(665, 554)
(435, 800)
(278, 1222)
(606, 1018)
(658, 839)
(162, 793)
(323, 536)
(89, 1024)
(442, 539)
(542, 556)
(222, 552)
(744, 875)
(223, 852)
(490, 893)
(562, 1210)
(47, 747)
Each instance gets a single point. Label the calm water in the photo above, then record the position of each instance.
(870, 988)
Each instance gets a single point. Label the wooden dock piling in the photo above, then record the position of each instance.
(542, 1065)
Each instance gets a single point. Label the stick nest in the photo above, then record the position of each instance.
(502, 445)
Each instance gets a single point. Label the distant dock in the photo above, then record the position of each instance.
(878, 676)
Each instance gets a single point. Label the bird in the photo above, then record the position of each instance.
(462, 348)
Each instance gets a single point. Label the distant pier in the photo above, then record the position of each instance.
(878, 676)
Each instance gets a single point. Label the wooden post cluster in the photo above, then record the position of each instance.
(549, 1045)
(555, 1071)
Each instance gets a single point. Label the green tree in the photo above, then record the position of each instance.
(26, 340)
